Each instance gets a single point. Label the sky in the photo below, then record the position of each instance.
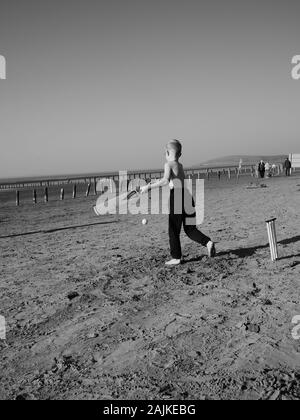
(103, 85)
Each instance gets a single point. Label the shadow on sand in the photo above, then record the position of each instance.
(248, 252)
(35, 232)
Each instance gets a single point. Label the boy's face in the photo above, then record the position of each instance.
(170, 154)
(167, 154)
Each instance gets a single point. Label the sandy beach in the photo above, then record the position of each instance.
(92, 313)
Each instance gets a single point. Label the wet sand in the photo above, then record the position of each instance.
(92, 312)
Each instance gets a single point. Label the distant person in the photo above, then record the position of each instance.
(274, 167)
(267, 169)
(174, 170)
(287, 166)
(261, 169)
(256, 170)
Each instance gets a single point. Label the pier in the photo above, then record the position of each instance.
(70, 185)
(142, 174)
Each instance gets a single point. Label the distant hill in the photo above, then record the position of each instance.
(247, 160)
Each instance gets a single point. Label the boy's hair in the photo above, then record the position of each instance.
(176, 146)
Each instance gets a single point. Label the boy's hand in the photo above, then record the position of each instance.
(144, 189)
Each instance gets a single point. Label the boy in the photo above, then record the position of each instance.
(174, 170)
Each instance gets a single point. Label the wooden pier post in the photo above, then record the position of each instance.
(17, 198)
(95, 186)
(62, 194)
(34, 196)
(46, 195)
(74, 191)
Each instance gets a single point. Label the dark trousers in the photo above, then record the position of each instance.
(287, 171)
(262, 174)
(176, 221)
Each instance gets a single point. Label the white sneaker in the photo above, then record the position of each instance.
(96, 211)
(174, 261)
(211, 249)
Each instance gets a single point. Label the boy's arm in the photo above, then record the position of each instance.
(162, 182)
